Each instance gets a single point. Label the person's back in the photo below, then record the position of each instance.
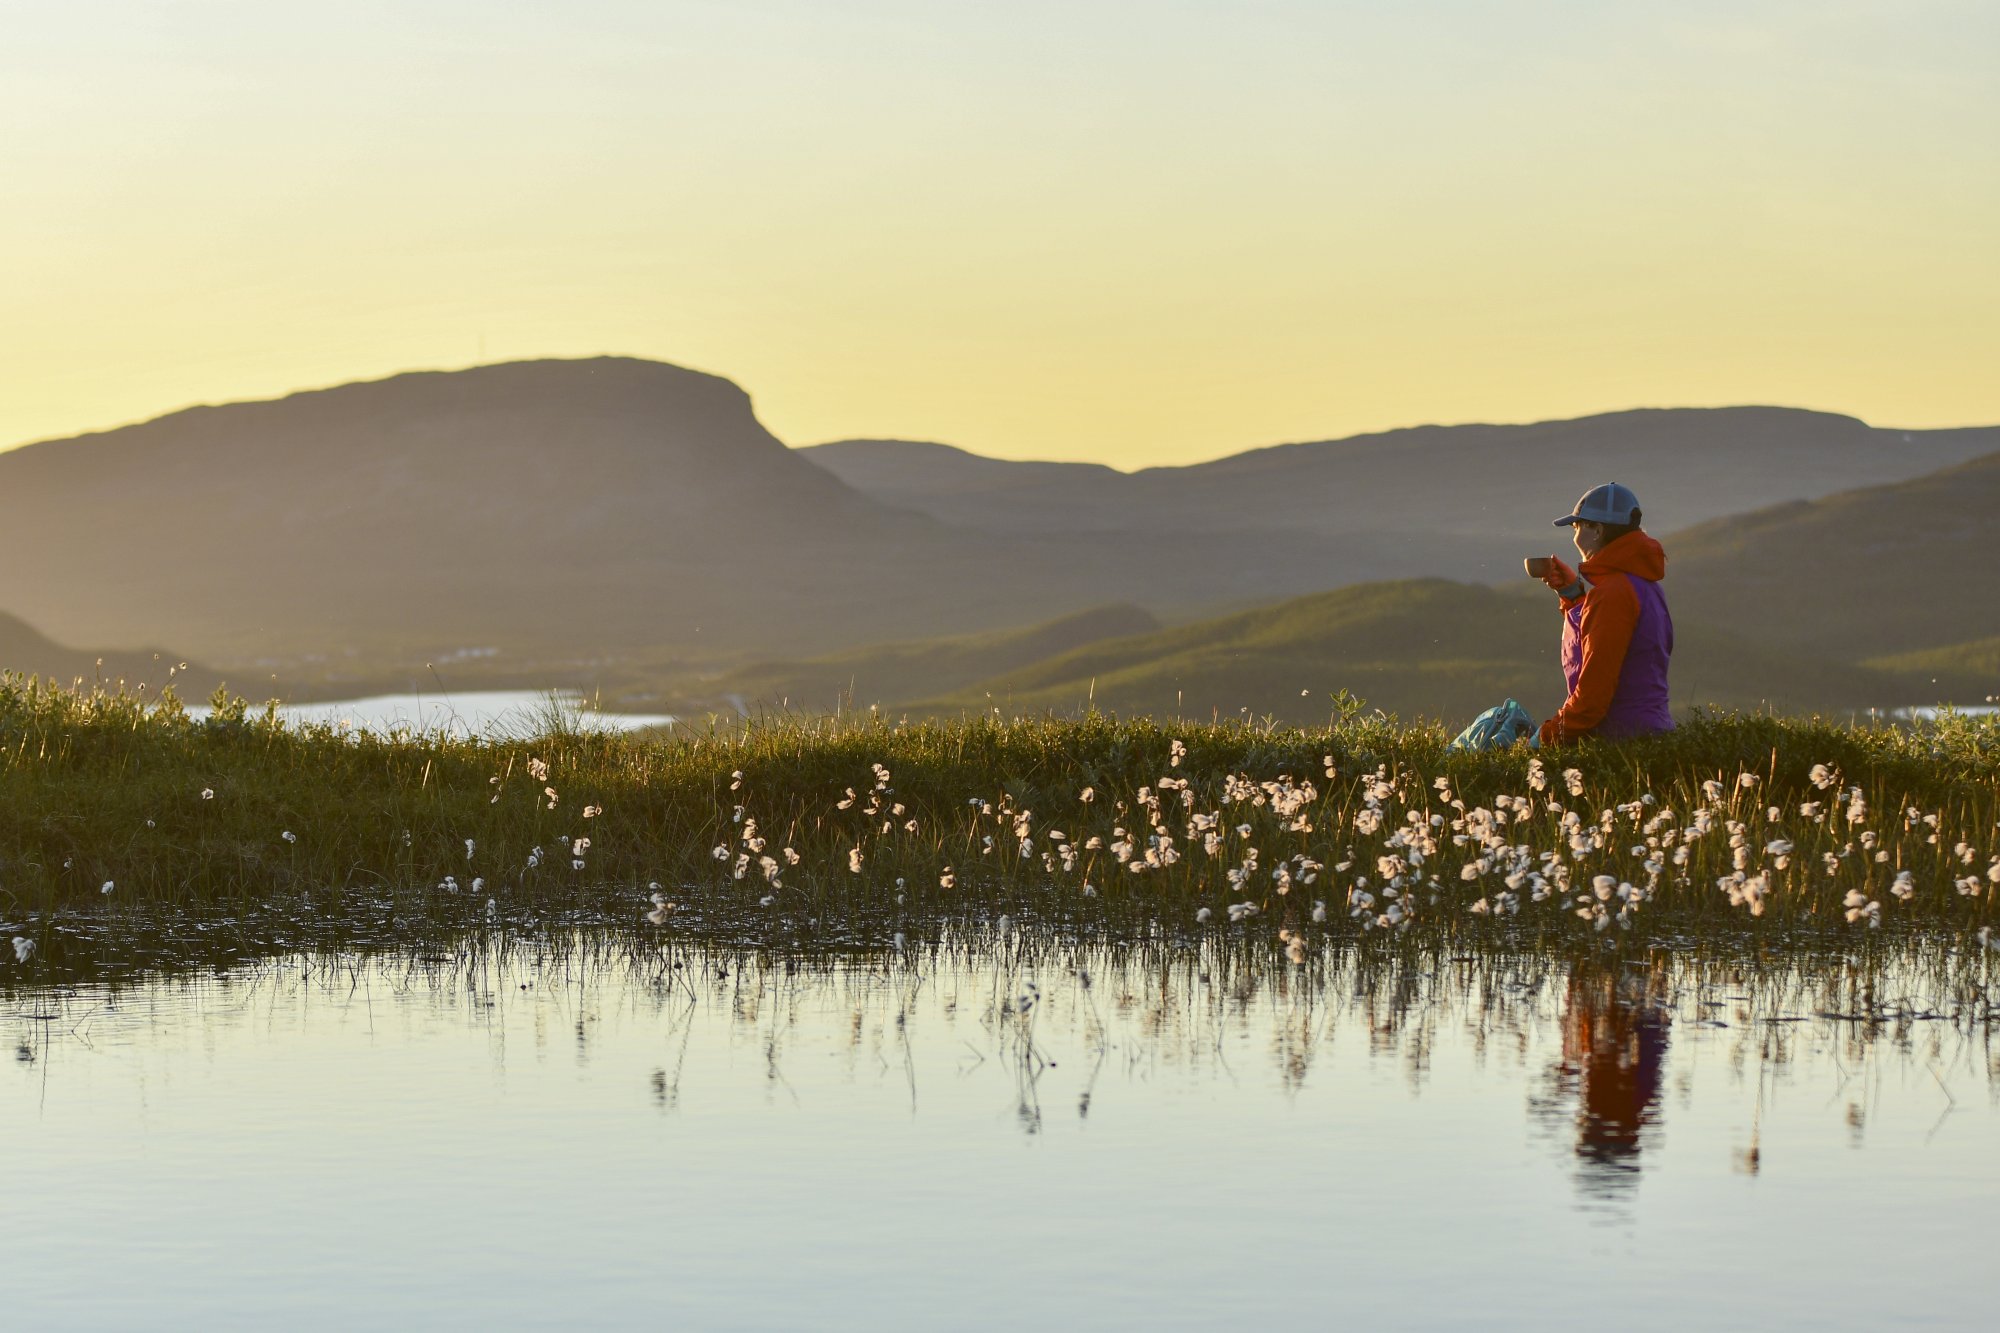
(1617, 632)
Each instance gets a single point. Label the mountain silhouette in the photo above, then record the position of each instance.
(551, 507)
(1462, 502)
(25, 650)
(609, 517)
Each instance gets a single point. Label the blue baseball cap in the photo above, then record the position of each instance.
(1610, 503)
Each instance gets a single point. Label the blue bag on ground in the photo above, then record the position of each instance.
(1496, 728)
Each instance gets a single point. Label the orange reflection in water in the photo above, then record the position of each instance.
(1616, 1027)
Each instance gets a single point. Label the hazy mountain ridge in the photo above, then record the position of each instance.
(627, 521)
(536, 504)
(1448, 501)
(25, 650)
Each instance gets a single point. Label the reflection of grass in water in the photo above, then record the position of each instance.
(122, 815)
(1569, 1022)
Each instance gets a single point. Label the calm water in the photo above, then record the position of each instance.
(610, 1133)
(480, 713)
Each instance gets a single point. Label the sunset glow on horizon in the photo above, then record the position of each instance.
(1130, 233)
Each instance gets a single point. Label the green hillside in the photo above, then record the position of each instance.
(1977, 660)
(1868, 574)
(1421, 648)
(899, 672)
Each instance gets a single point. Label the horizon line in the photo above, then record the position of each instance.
(1372, 433)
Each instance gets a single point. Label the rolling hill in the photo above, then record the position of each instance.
(1904, 568)
(1429, 648)
(899, 672)
(1459, 502)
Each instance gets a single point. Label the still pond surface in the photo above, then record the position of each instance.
(481, 714)
(606, 1130)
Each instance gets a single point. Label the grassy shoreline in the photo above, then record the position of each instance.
(111, 803)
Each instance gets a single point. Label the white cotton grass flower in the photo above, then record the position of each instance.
(109, 885)
(538, 770)
(1203, 916)
(592, 811)
(289, 836)
(208, 793)
(24, 948)
(470, 847)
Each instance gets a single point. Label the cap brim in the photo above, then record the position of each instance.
(1567, 521)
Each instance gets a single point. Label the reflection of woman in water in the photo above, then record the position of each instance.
(1615, 1030)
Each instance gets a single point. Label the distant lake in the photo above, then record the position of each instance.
(1930, 712)
(631, 1130)
(483, 713)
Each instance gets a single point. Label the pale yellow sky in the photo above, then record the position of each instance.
(1135, 233)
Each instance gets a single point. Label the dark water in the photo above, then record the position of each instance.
(601, 1133)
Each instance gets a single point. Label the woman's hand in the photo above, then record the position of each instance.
(1559, 576)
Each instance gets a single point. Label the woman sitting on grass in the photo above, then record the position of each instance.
(1617, 635)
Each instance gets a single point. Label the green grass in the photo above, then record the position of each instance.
(188, 818)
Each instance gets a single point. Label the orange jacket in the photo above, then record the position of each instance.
(1597, 637)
